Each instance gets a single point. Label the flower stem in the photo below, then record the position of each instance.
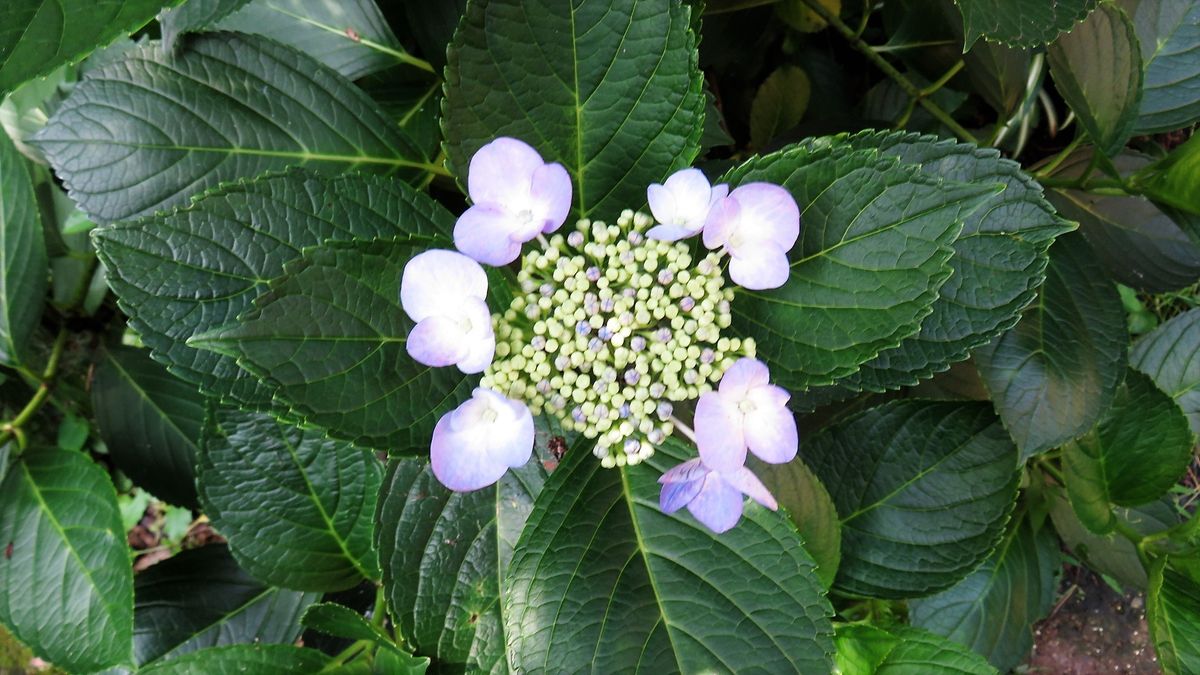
(888, 69)
(683, 428)
(12, 428)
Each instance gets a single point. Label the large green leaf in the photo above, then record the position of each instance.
(1170, 355)
(200, 598)
(923, 502)
(1097, 69)
(1169, 32)
(1138, 244)
(241, 659)
(999, 261)
(153, 128)
(194, 15)
(920, 652)
(66, 586)
(193, 270)
(806, 500)
(24, 270)
(1135, 453)
(330, 337)
(1172, 180)
(1056, 371)
(349, 36)
(601, 580)
(1021, 23)
(1173, 615)
(1112, 554)
(296, 507)
(844, 301)
(150, 421)
(993, 610)
(611, 90)
(37, 36)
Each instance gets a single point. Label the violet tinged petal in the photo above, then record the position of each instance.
(483, 233)
(690, 199)
(743, 376)
(722, 221)
(771, 434)
(759, 266)
(438, 341)
(691, 470)
(476, 443)
(748, 484)
(718, 505)
(502, 170)
(677, 494)
(669, 232)
(481, 339)
(662, 203)
(719, 432)
(437, 279)
(767, 213)
(551, 191)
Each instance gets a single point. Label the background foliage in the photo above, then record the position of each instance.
(213, 453)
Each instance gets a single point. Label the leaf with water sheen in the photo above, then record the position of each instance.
(296, 507)
(66, 586)
(1021, 23)
(200, 598)
(329, 337)
(618, 91)
(923, 505)
(846, 300)
(1169, 32)
(198, 268)
(150, 421)
(24, 267)
(602, 579)
(242, 659)
(993, 610)
(151, 129)
(1055, 373)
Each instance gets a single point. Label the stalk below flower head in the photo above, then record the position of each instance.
(613, 327)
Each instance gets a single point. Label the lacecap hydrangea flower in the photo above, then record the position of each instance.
(617, 329)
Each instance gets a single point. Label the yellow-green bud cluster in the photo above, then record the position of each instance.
(610, 330)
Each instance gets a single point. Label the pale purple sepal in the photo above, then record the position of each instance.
(516, 196)
(444, 293)
(681, 204)
(746, 412)
(713, 498)
(757, 224)
(477, 442)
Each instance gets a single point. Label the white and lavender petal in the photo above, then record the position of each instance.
(720, 436)
(718, 505)
(477, 442)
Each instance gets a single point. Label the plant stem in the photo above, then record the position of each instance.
(683, 428)
(1047, 169)
(909, 88)
(12, 428)
(379, 613)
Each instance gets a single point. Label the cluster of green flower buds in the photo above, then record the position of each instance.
(611, 330)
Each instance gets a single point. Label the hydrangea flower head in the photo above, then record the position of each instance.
(516, 196)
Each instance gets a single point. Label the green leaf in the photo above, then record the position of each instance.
(861, 648)
(200, 598)
(779, 104)
(609, 89)
(925, 503)
(329, 337)
(148, 131)
(445, 554)
(923, 653)
(1170, 355)
(150, 421)
(194, 15)
(66, 586)
(1135, 453)
(1173, 614)
(998, 74)
(1169, 31)
(296, 508)
(806, 500)
(1056, 371)
(24, 269)
(340, 621)
(193, 270)
(1138, 244)
(37, 36)
(349, 36)
(999, 261)
(432, 25)
(1021, 23)
(844, 302)
(1097, 68)
(241, 659)
(1112, 554)
(602, 580)
(1172, 180)
(993, 610)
